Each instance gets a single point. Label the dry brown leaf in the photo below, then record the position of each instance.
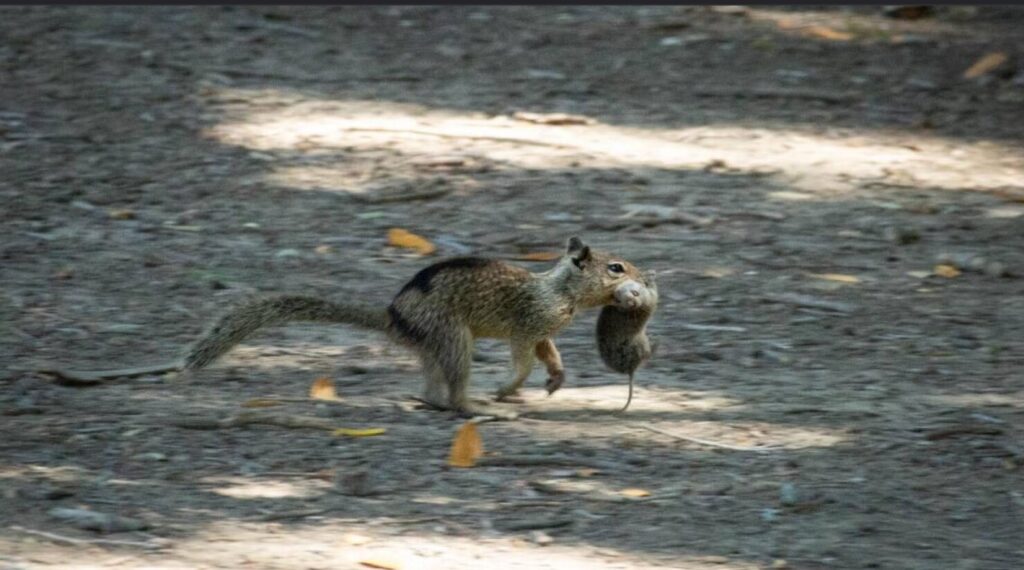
(398, 237)
(635, 493)
(261, 403)
(837, 277)
(323, 389)
(381, 563)
(947, 271)
(323, 249)
(586, 472)
(985, 64)
(539, 256)
(827, 33)
(467, 446)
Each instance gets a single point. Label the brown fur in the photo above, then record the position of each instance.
(622, 333)
(446, 306)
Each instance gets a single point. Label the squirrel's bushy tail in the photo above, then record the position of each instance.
(244, 320)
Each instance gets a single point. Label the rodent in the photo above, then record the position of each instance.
(622, 331)
(446, 306)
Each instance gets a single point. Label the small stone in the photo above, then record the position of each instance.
(769, 515)
(287, 253)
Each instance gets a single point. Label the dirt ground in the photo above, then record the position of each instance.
(827, 393)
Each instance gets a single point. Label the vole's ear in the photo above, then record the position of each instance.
(579, 252)
(651, 277)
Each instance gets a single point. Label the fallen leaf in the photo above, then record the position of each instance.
(985, 64)
(323, 249)
(261, 403)
(382, 564)
(837, 277)
(586, 472)
(467, 446)
(398, 237)
(827, 33)
(539, 256)
(323, 389)
(947, 271)
(635, 493)
(366, 432)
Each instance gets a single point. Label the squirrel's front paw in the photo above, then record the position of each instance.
(555, 381)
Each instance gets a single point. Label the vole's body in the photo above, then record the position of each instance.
(622, 332)
(446, 306)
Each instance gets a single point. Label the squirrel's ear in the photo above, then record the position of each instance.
(575, 245)
(581, 257)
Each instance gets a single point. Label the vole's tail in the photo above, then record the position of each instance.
(244, 320)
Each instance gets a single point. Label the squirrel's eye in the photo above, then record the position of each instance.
(616, 268)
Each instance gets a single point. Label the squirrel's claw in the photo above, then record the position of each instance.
(555, 382)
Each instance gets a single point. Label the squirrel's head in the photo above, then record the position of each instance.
(606, 279)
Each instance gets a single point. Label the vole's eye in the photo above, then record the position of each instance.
(616, 268)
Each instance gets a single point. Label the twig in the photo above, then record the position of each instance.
(445, 135)
(87, 541)
(962, 430)
(92, 377)
(696, 327)
(394, 197)
(707, 442)
(539, 524)
(548, 461)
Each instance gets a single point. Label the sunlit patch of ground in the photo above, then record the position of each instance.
(243, 488)
(816, 165)
(330, 544)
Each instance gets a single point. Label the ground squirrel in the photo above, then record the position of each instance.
(446, 306)
(622, 331)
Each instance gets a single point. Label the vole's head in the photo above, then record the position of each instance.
(605, 278)
(636, 293)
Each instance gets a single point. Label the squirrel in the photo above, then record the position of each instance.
(622, 331)
(446, 306)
